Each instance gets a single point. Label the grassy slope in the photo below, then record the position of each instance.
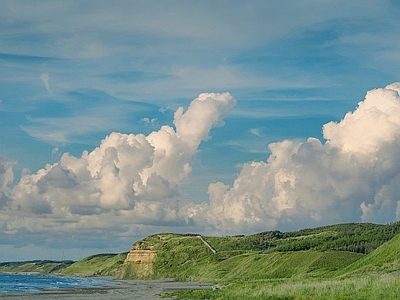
(355, 237)
(316, 252)
(308, 253)
(309, 275)
(187, 258)
(384, 259)
(40, 267)
(97, 265)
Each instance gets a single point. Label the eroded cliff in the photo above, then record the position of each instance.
(138, 263)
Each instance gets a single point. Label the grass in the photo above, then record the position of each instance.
(35, 267)
(186, 258)
(344, 261)
(248, 272)
(386, 258)
(359, 287)
(97, 265)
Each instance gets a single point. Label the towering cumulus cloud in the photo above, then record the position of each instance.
(127, 179)
(133, 180)
(353, 176)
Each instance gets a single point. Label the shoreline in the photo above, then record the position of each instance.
(122, 290)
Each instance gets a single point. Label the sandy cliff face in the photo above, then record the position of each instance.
(141, 256)
(138, 263)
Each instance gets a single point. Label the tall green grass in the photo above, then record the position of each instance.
(372, 287)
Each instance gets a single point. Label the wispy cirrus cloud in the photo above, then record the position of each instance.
(81, 113)
(46, 78)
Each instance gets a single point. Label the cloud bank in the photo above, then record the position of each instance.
(352, 176)
(130, 182)
(128, 179)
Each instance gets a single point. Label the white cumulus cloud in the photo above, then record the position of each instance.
(130, 182)
(352, 176)
(128, 179)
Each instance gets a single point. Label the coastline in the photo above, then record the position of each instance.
(126, 289)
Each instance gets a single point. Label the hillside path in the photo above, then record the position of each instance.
(207, 244)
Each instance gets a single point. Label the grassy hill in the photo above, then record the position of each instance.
(290, 275)
(384, 259)
(355, 237)
(186, 258)
(35, 267)
(97, 265)
(349, 261)
(332, 262)
(323, 251)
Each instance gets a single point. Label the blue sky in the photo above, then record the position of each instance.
(74, 72)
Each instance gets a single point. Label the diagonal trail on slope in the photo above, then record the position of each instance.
(207, 244)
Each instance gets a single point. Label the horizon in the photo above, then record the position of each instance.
(121, 121)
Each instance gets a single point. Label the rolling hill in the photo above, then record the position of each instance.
(335, 256)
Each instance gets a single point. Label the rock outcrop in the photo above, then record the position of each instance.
(140, 256)
(138, 263)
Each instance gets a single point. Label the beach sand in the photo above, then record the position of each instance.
(135, 289)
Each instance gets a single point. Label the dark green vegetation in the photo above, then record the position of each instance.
(344, 261)
(354, 237)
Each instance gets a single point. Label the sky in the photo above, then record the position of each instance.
(124, 119)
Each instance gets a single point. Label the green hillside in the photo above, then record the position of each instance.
(355, 237)
(297, 275)
(187, 258)
(384, 259)
(343, 261)
(35, 267)
(97, 265)
(322, 251)
(332, 262)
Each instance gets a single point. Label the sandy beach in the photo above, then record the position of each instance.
(135, 289)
